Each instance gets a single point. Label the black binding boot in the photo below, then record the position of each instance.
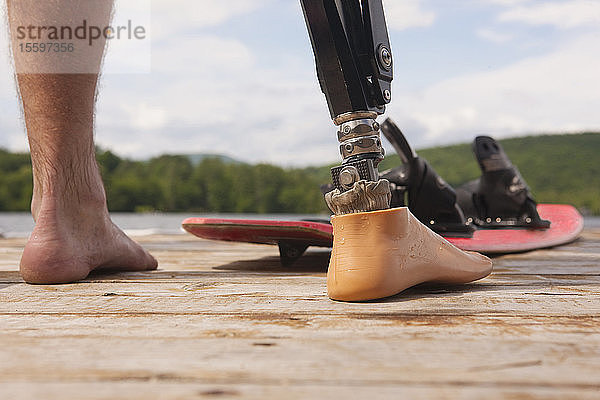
(430, 198)
(500, 198)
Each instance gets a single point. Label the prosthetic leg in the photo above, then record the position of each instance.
(354, 66)
(377, 251)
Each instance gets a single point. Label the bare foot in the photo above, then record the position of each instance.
(381, 253)
(68, 242)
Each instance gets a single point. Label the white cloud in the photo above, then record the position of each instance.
(201, 54)
(211, 92)
(406, 14)
(145, 117)
(11, 129)
(260, 115)
(508, 2)
(171, 17)
(563, 15)
(494, 36)
(549, 93)
(196, 78)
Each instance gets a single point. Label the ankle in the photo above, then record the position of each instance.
(74, 183)
(77, 206)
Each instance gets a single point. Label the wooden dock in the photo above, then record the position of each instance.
(227, 321)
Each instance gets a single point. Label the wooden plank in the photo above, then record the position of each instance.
(255, 343)
(227, 320)
(162, 387)
(524, 353)
(223, 292)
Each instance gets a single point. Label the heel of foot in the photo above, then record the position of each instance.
(353, 282)
(364, 264)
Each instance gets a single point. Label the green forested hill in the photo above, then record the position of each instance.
(558, 168)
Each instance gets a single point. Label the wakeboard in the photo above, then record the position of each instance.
(294, 237)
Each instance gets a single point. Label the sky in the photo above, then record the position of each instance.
(237, 77)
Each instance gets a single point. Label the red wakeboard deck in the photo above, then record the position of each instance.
(260, 231)
(566, 226)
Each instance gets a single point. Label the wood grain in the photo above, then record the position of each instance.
(222, 320)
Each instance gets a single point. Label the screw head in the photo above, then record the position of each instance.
(348, 176)
(387, 95)
(385, 56)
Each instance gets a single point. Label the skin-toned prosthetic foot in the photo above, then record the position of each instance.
(381, 253)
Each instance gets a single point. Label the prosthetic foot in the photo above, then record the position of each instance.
(381, 253)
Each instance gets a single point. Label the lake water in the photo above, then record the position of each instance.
(21, 224)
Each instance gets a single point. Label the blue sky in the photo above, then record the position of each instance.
(236, 77)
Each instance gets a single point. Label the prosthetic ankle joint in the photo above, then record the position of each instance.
(355, 70)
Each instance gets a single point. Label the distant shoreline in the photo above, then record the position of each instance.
(20, 224)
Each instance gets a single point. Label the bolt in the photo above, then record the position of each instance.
(347, 129)
(385, 56)
(387, 95)
(348, 176)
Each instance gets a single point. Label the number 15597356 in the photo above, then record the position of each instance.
(46, 47)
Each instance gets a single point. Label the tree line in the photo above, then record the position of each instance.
(558, 168)
(172, 183)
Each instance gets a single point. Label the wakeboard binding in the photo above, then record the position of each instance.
(500, 198)
(416, 184)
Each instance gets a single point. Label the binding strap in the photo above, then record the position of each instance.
(500, 197)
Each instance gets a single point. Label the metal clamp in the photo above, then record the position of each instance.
(360, 136)
(363, 145)
(360, 148)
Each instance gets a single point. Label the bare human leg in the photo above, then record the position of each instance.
(73, 234)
